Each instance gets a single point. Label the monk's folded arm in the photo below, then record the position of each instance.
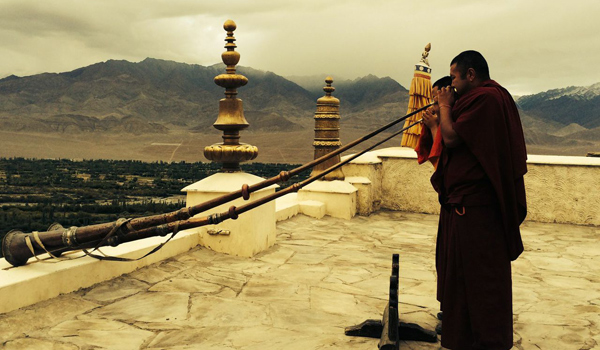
(451, 138)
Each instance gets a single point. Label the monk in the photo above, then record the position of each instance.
(479, 181)
(429, 146)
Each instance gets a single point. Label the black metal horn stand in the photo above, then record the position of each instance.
(390, 330)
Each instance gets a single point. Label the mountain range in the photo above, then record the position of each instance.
(165, 97)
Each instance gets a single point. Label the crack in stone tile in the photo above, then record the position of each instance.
(242, 288)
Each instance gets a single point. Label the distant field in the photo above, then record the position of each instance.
(290, 147)
(282, 147)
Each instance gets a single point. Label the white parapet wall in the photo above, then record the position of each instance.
(563, 189)
(367, 166)
(399, 182)
(559, 189)
(41, 280)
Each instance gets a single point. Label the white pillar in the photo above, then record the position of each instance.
(252, 232)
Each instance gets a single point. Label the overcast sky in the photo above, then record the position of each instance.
(531, 45)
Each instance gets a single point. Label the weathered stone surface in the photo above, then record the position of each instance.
(269, 290)
(285, 315)
(277, 256)
(147, 307)
(115, 289)
(234, 280)
(347, 275)
(150, 275)
(338, 303)
(322, 276)
(211, 311)
(37, 344)
(547, 319)
(300, 274)
(100, 334)
(187, 285)
(209, 338)
(22, 322)
(308, 259)
(551, 336)
(199, 255)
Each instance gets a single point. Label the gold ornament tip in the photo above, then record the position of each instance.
(229, 25)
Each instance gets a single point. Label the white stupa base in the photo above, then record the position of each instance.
(365, 202)
(313, 209)
(339, 197)
(287, 206)
(252, 232)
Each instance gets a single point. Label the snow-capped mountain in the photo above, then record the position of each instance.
(574, 104)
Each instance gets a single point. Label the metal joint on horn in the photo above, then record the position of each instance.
(284, 175)
(114, 241)
(232, 214)
(69, 238)
(214, 219)
(163, 230)
(245, 192)
(183, 214)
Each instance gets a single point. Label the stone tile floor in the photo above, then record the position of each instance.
(321, 276)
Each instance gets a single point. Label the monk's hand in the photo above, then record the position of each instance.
(430, 118)
(446, 97)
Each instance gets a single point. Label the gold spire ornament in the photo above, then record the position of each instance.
(425, 54)
(231, 118)
(327, 132)
(419, 96)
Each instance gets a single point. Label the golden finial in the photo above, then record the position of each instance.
(231, 111)
(327, 132)
(426, 54)
(328, 89)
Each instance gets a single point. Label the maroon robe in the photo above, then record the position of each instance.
(481, 189)
(429, 147)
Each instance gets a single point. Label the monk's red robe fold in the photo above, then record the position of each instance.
(490, 126)
(429, 147)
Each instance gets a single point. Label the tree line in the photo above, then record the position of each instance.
(35, 193)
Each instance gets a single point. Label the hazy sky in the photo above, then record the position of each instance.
(530, 45)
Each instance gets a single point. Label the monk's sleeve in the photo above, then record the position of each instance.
(429, 147)
(424, 145)
(436, 148)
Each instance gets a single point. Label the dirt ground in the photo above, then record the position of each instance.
(288, 147)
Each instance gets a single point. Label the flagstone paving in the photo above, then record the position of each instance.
(321, 276)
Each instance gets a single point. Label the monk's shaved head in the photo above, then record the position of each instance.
(471, 59)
